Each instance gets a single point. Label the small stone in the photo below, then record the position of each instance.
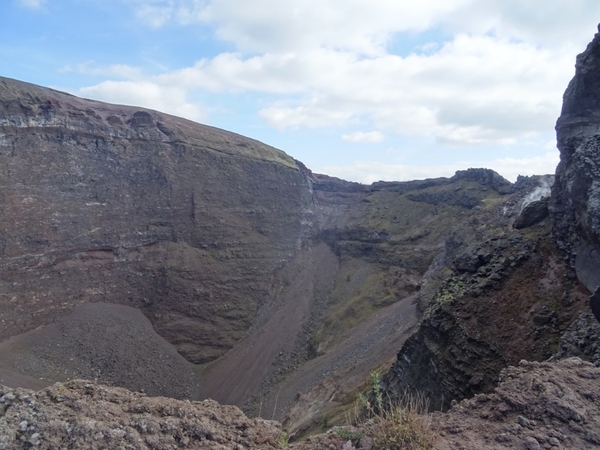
(348, 446)
(531, 443)
(554, 442)
(502, 437)
(523, 421)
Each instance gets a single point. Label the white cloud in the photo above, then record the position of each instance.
(541, 22)
(369, 172)
(169, 99)
(155, 13)
(369, 137)
(32, 4)
(489, 73)
(366, 26)
(473, 90)
(363, 26)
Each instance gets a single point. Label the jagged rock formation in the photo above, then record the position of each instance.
(359, 276)
(576, 192)
(581, 339)
(494, 291)
(533, 213)
(519, 287)
(288, 287)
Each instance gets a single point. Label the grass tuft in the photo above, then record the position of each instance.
(402, 425)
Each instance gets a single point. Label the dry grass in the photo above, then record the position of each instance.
(401, 425)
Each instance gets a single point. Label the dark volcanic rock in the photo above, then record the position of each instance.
(491, 315)
(576, 192)
(486, 177)
(501, 290)
(533, 213)
(581, 339)
(124, 205)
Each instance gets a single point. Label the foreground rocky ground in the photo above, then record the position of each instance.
(549, 405)
(80, 414)
(537, 405)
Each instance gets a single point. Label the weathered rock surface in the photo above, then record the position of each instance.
(581, 339)
(223, 243)
(551, 405)
(501, 290)
(486, 177)
(81, 414)
(533, 213)
(287, 282)
(576, 192)
(349, 288)
(537, 405)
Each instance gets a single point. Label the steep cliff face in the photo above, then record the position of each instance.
(346, 302)
(124, 205)
(504, 300)
(514, 297)
(576, 192)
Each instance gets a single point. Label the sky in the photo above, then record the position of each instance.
(364, 90)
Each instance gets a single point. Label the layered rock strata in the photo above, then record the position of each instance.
(125, 205)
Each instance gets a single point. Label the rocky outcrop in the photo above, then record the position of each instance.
(536, 406)
(581, 339)
(522, 289)
(223, 243)
(549, 405)
(81, 414)
(497, 290)
(486, 177)
(576, 192)
(533, 213)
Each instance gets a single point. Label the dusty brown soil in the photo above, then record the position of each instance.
(266, 372)
(236, 376)
(131, 355)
